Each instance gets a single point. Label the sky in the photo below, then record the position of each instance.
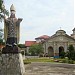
(42, 17)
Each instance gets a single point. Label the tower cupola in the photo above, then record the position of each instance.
(73, 34)
(73, 31)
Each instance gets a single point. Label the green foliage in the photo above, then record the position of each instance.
(71, 48)
(22, 52)
(36, 49)
(1, 2)
(1, 42)
(45, 59)
(41, 59)
(64, 60)
(62, 54)
(32, 50)
(21, 45)
(26, 62)
(70, 61)
(3, 11)
(71, 52)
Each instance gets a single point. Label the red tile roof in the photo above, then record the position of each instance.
(29, 43)
(43, 37)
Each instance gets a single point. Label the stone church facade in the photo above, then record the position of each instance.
(58, 42)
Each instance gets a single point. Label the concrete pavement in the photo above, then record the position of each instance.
(49, 69)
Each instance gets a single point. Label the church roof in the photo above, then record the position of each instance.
(70, 37)
(53, 36)
(60, 32)
(29, 43)
(43, 37)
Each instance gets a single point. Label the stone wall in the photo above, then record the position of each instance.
(11, 64)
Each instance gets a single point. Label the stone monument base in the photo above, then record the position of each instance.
(11, 64)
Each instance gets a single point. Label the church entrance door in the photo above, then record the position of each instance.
(61, 49)
(50, 51)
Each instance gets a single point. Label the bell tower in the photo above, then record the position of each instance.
(73, 35)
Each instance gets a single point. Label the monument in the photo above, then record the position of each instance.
(11, 62)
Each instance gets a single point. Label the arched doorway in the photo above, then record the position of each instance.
(50, 51)
(61, 49)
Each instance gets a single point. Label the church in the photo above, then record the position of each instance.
(58, 42)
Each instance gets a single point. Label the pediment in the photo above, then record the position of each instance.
(61, 38)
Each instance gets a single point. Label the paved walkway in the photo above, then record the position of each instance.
(49, 69)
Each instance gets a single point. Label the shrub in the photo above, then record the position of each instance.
(22, 52)
(36, 49)
(41, 55)
(27, 62)
(70, 61)
(64, 61)
(62, 54)
(71, 53)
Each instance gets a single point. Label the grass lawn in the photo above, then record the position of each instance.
(44, 59)
(39, 60)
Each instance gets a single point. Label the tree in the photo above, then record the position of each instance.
(21, 45)
(62, 54)
(1, 41)
(1, 2)
(36, 49)
(3, 11)
(71, 52)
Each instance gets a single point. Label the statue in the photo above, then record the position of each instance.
(12, 30)
(11, 62)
